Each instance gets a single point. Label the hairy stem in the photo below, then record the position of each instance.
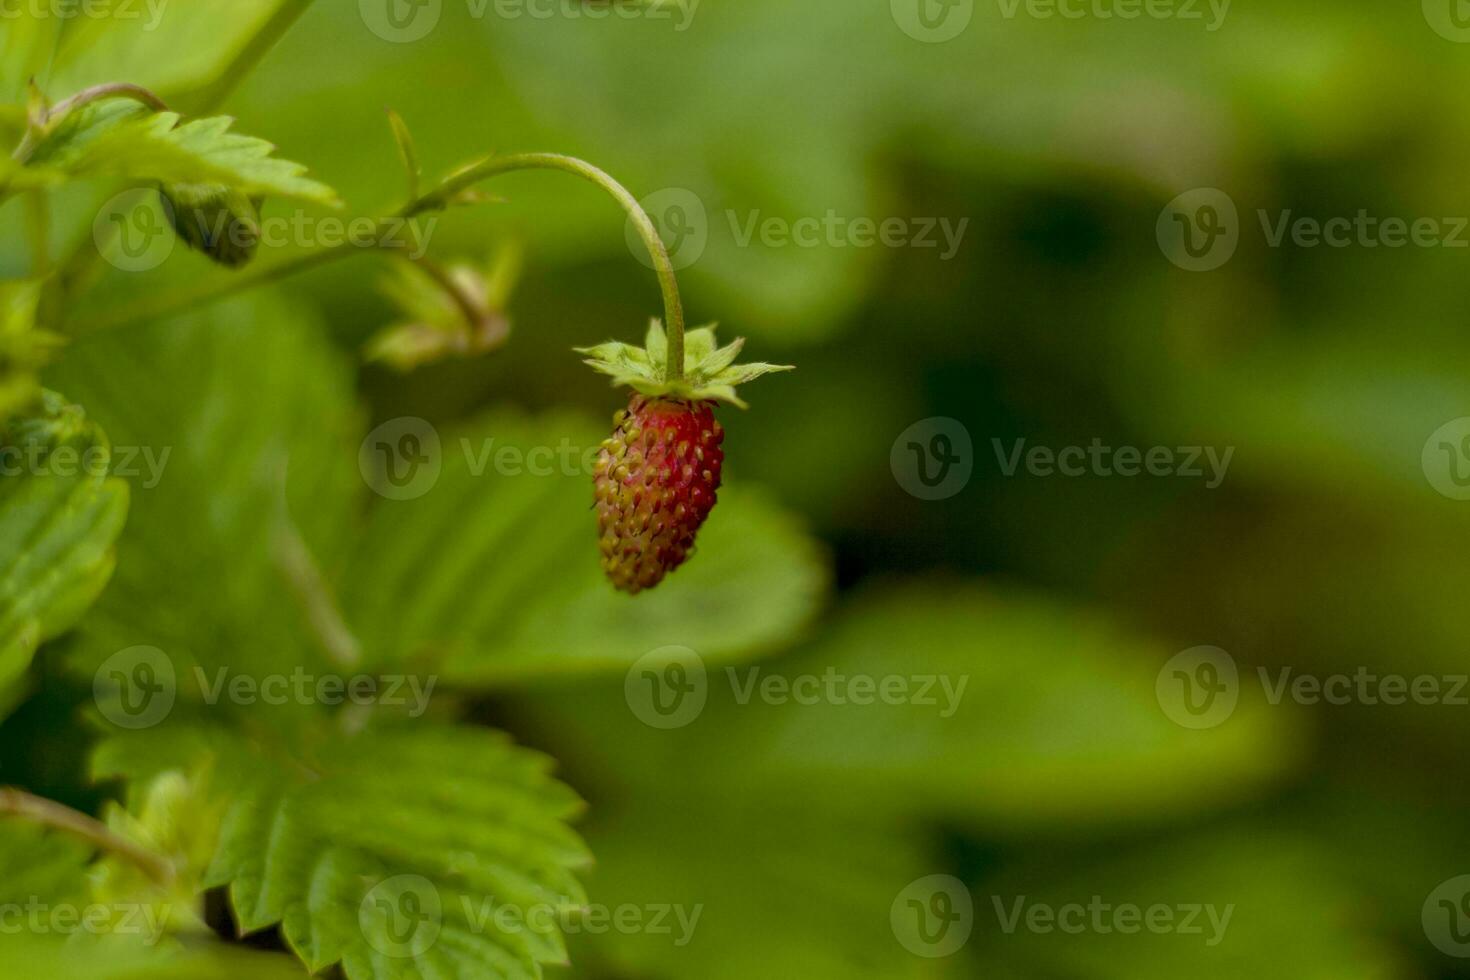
(435, 199)
(18, 803)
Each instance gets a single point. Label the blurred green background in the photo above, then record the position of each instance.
(1059, 319)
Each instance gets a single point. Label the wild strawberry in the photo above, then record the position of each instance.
(658, 473)
(656, 480)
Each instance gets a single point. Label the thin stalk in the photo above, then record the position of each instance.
(49, 813)
(434, 200)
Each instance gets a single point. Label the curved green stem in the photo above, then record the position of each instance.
(436, 199)
(49, 813)
(668, 283)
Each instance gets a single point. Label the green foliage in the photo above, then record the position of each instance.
(244, 435)
(36, 862)
(1262, 881)
(318, 829)
(29, 955)
(121, 138)
(751, 882)
(488, 574)
(1057, 722)
(60, 513)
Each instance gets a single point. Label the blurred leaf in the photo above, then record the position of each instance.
(121, 138)
(239, 425)
(1290, 913)
(24, 347)
(492, 573)
(60, 514)
(26, 46)
(744, 888)
(1058, 723)
(38, 864)
(28, 955)
(338, 838)
(1007, 712)
(168, 46)
(453, 312)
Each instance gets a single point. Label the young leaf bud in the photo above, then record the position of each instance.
(222, 223)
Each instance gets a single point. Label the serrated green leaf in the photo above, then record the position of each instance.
(121, 138)
(59, 515)
(240, 426)
(493, 574)
(314, 835)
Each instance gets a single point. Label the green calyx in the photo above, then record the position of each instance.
(710, 371)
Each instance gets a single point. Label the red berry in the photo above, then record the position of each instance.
(656, 480)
